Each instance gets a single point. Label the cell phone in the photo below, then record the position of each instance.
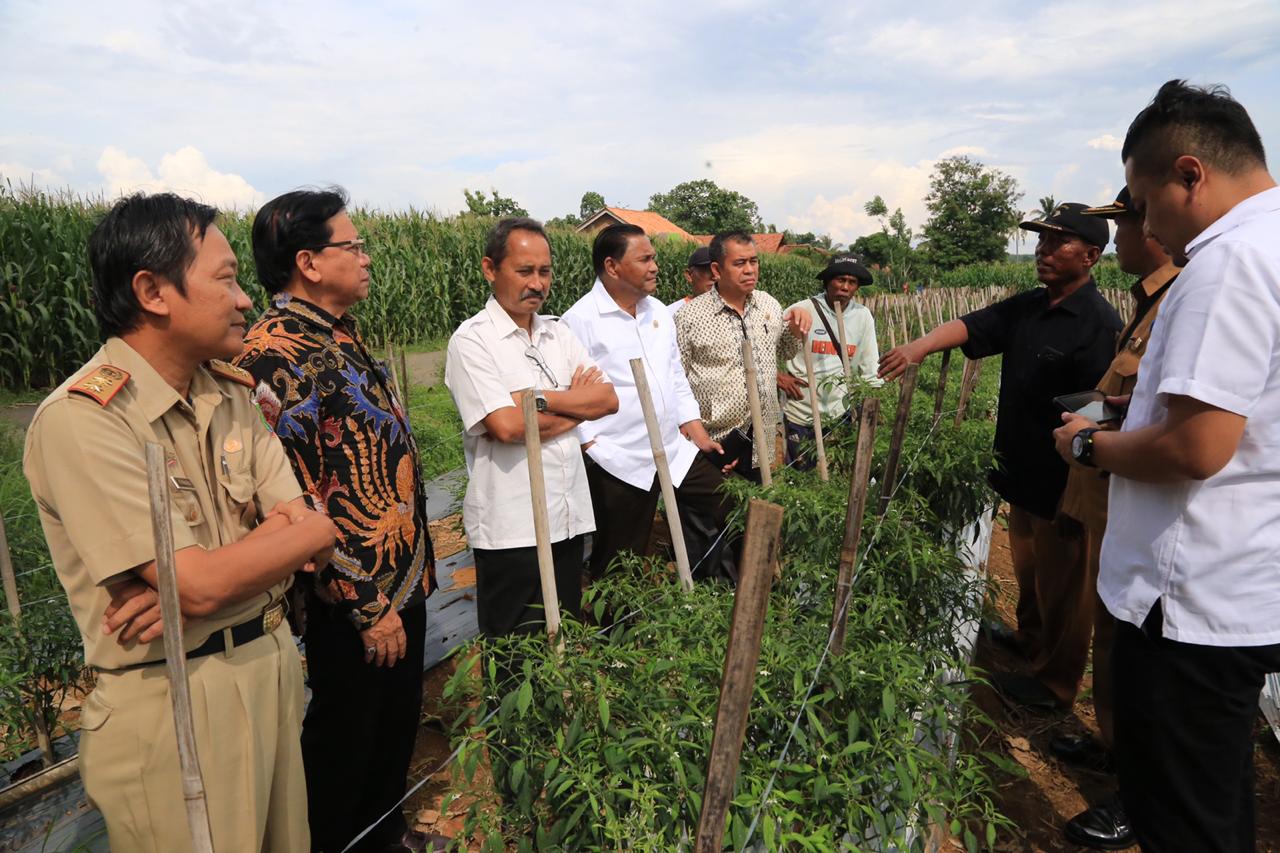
(1090, 404)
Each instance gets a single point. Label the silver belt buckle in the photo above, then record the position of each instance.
(272, 617)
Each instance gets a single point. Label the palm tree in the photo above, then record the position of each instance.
(1047, 204)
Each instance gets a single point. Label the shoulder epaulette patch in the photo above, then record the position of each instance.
(102, 384)
(230, 371)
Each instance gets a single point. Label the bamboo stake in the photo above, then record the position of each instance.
(395, 374)
(404, 378)
(893, 340)
(43, 740)
(920, 314)
(940, 395)
(750, 606)
(843, 343)
(541, 523)
(175, 655)
(819, 444)
(905, 392)
(972, 367)
(763, 443)
(869, 412)
(664, 473)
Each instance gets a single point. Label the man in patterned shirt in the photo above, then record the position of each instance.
(710, 330)
(347, 434)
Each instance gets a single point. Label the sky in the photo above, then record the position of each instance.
(808, 108)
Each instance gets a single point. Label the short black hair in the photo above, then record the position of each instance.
(495, 244)
(288, 224)
(1203, 121)
(612, 243)
(717, 243)
(142, 232)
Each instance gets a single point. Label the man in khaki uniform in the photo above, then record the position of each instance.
(167, 300)
(1084, 504)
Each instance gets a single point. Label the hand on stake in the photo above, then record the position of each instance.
(896, 360)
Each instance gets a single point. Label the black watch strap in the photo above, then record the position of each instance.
(1082, 446)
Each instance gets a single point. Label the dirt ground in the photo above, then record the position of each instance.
(1051, 793)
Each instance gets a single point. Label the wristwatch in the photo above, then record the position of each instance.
(1082, 446)
(540, 401)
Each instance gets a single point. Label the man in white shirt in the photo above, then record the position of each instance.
(698, 273)
(618, 320)
(493, 359)
(841, 280)
(1190, 563)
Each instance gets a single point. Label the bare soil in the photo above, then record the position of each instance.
(1050, 792)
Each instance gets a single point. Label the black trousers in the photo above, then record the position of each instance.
(624, 519)
(1184, 719)
(509, 588)
(359, 730)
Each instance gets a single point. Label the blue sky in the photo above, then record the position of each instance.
(810, 109)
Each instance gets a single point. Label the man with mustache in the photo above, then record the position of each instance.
(346, 431)
(166, 297)
(1056, 340)
(710, 331)
(617, 321)
(494, 359)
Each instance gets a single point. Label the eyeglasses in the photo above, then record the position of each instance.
(536, 357)
(355, 247)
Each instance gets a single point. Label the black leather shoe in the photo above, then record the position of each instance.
(1081, 751)
(1103, 827)
(1026, 691)
(1001, 634)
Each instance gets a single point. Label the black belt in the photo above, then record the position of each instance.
(246, 632)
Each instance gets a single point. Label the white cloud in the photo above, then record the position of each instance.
(26, 176)
(185, 171)
(1106, 142)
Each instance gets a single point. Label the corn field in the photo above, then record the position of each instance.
(425, 274)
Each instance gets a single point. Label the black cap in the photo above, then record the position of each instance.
(1122, 206)
(1069, 218)
(846, 266)
(701, 257)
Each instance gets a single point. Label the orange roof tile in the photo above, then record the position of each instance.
(654, 224)
(771, 243)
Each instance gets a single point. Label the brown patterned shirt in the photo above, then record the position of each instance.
(710, 335)
(347, 434)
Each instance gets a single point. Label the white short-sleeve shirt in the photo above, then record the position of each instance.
(1210, 550)
(612, 338)
(487, 360)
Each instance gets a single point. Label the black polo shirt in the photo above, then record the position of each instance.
(1048, 351)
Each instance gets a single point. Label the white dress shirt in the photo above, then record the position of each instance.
(486, 361)
(612, 338)
(1210, 550)
(674, 307)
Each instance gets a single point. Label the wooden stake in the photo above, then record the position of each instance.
(819, 444)
(867, 416)
(843, 343)
(893, 341)
(175, 655)
(395, 374)
(763, 443)
(920, 314)
(404, 379)
(541, 523)
(664, 473)
(905, 392)
(43, 741)
(750, 606)
(940, 395)
(972, 368)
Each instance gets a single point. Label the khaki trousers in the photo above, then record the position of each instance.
(1056, 599)
(247, 705)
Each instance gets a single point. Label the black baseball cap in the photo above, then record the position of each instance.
(701, 257)
(846, 266)
(1122, 206)
(1070, 219)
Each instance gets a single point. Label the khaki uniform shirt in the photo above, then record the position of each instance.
(85, 461)
(1085, 497)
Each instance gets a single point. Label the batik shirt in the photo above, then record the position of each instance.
(346, 432)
